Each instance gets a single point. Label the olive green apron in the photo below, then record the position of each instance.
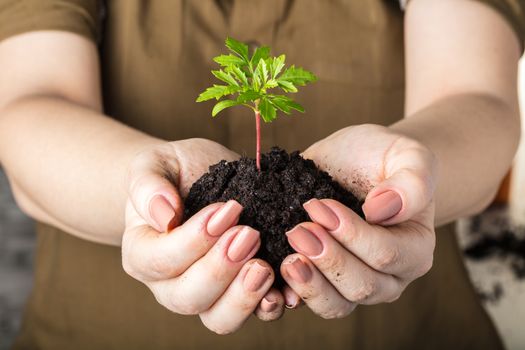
(156, 58)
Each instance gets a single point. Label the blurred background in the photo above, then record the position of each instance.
(493, 244)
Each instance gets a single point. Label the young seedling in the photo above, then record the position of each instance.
(250, 81)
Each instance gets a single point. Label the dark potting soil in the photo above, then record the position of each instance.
(506, 245)
(272, 198)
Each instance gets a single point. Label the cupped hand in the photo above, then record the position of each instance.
(201, 267)
(343, 260)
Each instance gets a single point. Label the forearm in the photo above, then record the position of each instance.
(68, 165)
(474, 138)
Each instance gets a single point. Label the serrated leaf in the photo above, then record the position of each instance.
(297, 76)
(239, 73)
(241, 49)
(223, 105)
(256, 80)
(285, 103)
(262, 71)
(262, 52)
(277, 65)
(248, 96)
(271, 84)
(228, 60)
(226, 77)
(287, 86)
(216, 92)
(268, 111)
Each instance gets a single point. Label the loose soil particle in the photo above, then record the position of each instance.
(272, 198)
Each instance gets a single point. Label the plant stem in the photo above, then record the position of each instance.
(258, 132)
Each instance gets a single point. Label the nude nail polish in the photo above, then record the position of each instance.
(382, 207)
(224, 218)
(243, 244)
(162, 213)
(299, 271)
(255, 278)
(321, 214)
(268, 305)
(304, 241)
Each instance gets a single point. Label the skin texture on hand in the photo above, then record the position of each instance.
(201, 267)
(461, 109)
(343, 260)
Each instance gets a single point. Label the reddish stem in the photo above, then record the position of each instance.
(258, 132)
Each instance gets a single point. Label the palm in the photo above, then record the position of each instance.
(363, 157)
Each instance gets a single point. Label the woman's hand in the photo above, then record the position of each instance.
(205, 265)
(344, 260)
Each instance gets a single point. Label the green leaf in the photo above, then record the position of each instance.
(228, 60)
(216, 92)
(268, 111)
(271, 84)
(297, 76)
(239, 73)
(248, 96)
(256, 80)
(262, 52)
(238, 48)
(223, 105)
(277, 65)
(285, 104)
(226, 77)
(287, 86)
(262, 71)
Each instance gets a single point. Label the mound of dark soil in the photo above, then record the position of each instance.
(272, 198)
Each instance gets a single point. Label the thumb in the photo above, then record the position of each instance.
(153, 178)
(407, 189)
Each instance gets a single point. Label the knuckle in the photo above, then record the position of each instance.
(338, 313)
(424, 267)
(363, 292)
(178, 306)
(335, 261)
(351, 233)
(175, 301)
(128, 267)
(217, 327)
(159, 267)
(394, 297)
(385, 258)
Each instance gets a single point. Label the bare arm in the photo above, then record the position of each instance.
(65, 160)
(461, 98)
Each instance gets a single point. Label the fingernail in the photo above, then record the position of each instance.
(243, 243)
(256, 277)
(304, 241)
(268, 305)
(299, 271)
(224, 218)
(321, 214)
(291, 300)
(162, 213)
(382, 207)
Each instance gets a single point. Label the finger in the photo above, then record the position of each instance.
(206, 280)
(292, 300)
(271, 307)
(405, 251)
(313, 288)
(408, 185)
(352, 278)
(240, 299)
(153, 177)
(149, 256)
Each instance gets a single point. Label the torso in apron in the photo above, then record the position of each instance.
(156, 58)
